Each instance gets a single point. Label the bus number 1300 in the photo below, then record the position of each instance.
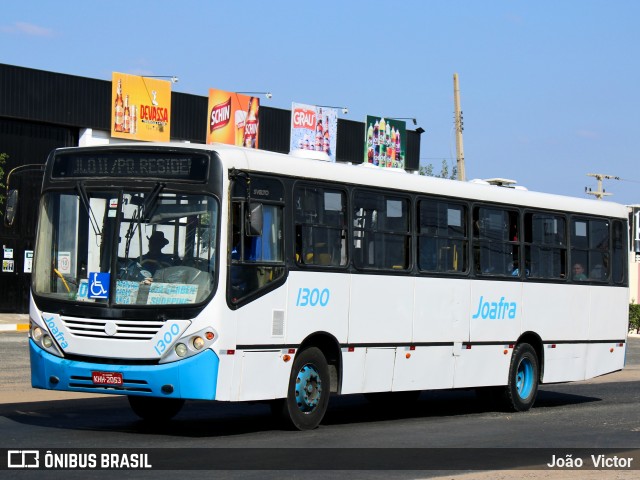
(312, 297)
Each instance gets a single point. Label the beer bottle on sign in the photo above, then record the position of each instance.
(126, 126)
(319, 126)
(319, 135)
(119, 109)
(326, 127)
(251, 124)
(393, 143)
(132, 121)
(327, 137)
(376, 128)
(381, 141)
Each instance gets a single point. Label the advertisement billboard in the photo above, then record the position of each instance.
(141, 108)
(233, 118)
(385, 142)
(314, 128)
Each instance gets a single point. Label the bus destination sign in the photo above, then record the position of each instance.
(174, 166)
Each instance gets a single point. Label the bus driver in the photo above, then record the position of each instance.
(155, 259)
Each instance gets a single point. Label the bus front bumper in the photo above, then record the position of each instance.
(193, 378)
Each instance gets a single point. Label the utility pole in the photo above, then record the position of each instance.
(600, 192)
(459, 127)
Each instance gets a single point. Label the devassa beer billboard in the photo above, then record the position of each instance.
(141, 108)
(385, 142)
(233, 118)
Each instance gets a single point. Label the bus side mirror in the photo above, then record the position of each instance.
(254, 220)
(11, 208)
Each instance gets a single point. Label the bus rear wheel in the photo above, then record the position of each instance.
(155, 409)
(524, 373)
(308, 391)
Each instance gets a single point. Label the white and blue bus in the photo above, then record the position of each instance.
(281, 279)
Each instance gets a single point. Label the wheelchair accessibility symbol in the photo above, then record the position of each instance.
(99, 285)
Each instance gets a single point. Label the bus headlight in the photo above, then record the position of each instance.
(181, 349)
(190, 344)
(47, 341)
(198, 343)
(36, 333)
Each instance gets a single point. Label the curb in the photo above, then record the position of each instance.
(14, 327)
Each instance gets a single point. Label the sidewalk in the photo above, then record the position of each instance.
(14, 322)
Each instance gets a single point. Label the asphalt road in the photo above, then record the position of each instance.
(595, 414)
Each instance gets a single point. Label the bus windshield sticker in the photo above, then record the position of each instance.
(126, 292)
(394, 209)
(171, 293)
(99, 285)
(454, 217)
(333, 201)
(83, 291)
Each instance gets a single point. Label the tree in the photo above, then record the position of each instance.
(634, 317)
(444, 171)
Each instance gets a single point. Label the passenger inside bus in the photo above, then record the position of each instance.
(600, 272)
(578, 272)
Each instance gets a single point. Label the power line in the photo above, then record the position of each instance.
(628, 180)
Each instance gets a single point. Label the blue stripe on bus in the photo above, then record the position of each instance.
(193, 378)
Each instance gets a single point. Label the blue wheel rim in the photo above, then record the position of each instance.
(524, 378)
(308, 388)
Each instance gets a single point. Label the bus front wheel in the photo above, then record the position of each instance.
(308, 391)
(524, 372)
(154, 408)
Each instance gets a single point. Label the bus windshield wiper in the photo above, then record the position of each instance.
(85, 201)
(150, 201)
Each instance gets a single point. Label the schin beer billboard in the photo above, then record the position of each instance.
(385, 142)
(141, 108)
(314, 128)
(233, 118)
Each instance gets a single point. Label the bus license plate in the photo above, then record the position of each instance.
(107, 378)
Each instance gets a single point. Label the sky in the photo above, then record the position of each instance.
(549, 89)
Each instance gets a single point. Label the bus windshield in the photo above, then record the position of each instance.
(119, 248)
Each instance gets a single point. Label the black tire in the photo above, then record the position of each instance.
(524, 375)
(155, 409)
(308, 391)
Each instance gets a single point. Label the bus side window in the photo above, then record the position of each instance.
(381, 231)
(320, 226)
(498, 249)
(254, 261)
(442, 230)
(545, 245)
(590, 240)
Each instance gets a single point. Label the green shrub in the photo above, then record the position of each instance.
(634, 317)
